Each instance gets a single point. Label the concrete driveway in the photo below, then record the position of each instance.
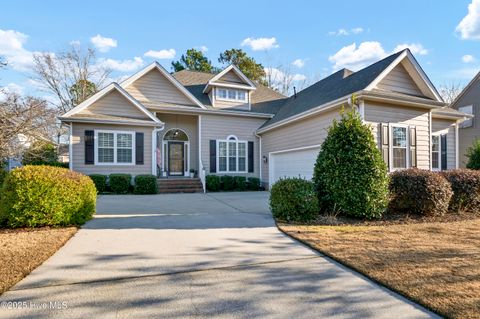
(195, 255)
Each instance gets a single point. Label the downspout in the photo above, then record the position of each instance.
(201, 169)
(154, 149)
(260, 163)
(70, 146)
(457, 123)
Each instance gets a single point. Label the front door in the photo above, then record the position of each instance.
(175, 158)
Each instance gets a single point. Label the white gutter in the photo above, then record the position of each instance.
(189, 110)
(100, 121)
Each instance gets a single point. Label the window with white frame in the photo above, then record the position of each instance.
(231, 95)
(114, 147)
(232, 155)
(468, 109)
(399, 146)
(436, 155)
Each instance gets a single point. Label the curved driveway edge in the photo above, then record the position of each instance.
(196, 255)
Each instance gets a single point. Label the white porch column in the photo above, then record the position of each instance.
(154, 149)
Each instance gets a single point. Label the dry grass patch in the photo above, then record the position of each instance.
(23, 250)
(434, 263)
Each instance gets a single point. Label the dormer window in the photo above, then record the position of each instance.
(231, 95)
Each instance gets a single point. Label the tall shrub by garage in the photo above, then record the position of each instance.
(46, 196)
(350, 175)
(473, 155)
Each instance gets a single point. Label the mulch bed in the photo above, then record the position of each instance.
(23, 250)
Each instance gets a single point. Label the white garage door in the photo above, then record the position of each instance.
(293, 164)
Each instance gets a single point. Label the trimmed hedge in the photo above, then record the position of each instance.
(100, 182)
(35, 196)
(465, 184)
(212, 183)
(228, 183)
(55, 164)
(350, 175)
(120, 183)
(294, 199)
(419, 191)
(145, 184)
(240, 183)
(253, 184)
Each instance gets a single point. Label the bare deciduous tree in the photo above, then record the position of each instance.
(449, 91)
(23, 120)
(283, 80)
(71, 76)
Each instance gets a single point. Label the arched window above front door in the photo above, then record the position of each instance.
(175, 135)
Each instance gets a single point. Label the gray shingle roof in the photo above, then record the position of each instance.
(264, 99)
(335, 86)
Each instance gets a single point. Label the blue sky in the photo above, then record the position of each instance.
(321, 35)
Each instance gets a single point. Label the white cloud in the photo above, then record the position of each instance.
(162, 54)
(257, 44)
(415, 48)
(299, 77)
(299, 63)
(355, 58)
(11, 48)
(468, 58)
(203, 48)
(122, 65)
(11, 88)
(103, 44)
(343, 31)
(75, 43)
(469, 27)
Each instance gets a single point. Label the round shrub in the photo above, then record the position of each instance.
(120, 183)
(228, 182)
(212, 183)
(294, 199)
(465, 184)
(240, 183)
(473, 155)
(145, 184)
(100, 182)
(253, 183)
(350, 175)
(46, 196)
(417, 191)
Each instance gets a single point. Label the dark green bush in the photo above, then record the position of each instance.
(253, 183)
(120, 183)
(465, 185)
(228, 183)
(294, 199)
(240, 183)
(3, 174)
(350, 175)
(46, 196)
(40, 153)
(100, 182)
(145, 184)
(416, 191)
(212, 183)
(473, 155)
(56, 164)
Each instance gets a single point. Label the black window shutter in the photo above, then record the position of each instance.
(443, 149)
(250, 157)
(213, 156)
(89, 148)
(139, 156)
(413, 146)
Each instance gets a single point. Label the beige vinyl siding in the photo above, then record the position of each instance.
(115, 104)
(154, 87)
(220, 127)
(220, 104)
(231, 76)
(78, 147)
(376, 113)
(448, 127)
(188, 124)
(307, 132)
(398, 80)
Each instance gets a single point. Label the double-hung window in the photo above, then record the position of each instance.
(399, 146)
(468, 109)
(232, 155)
(114, 147)
(436, 154)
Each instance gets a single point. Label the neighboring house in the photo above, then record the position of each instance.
(468, 101)
(165, 124)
